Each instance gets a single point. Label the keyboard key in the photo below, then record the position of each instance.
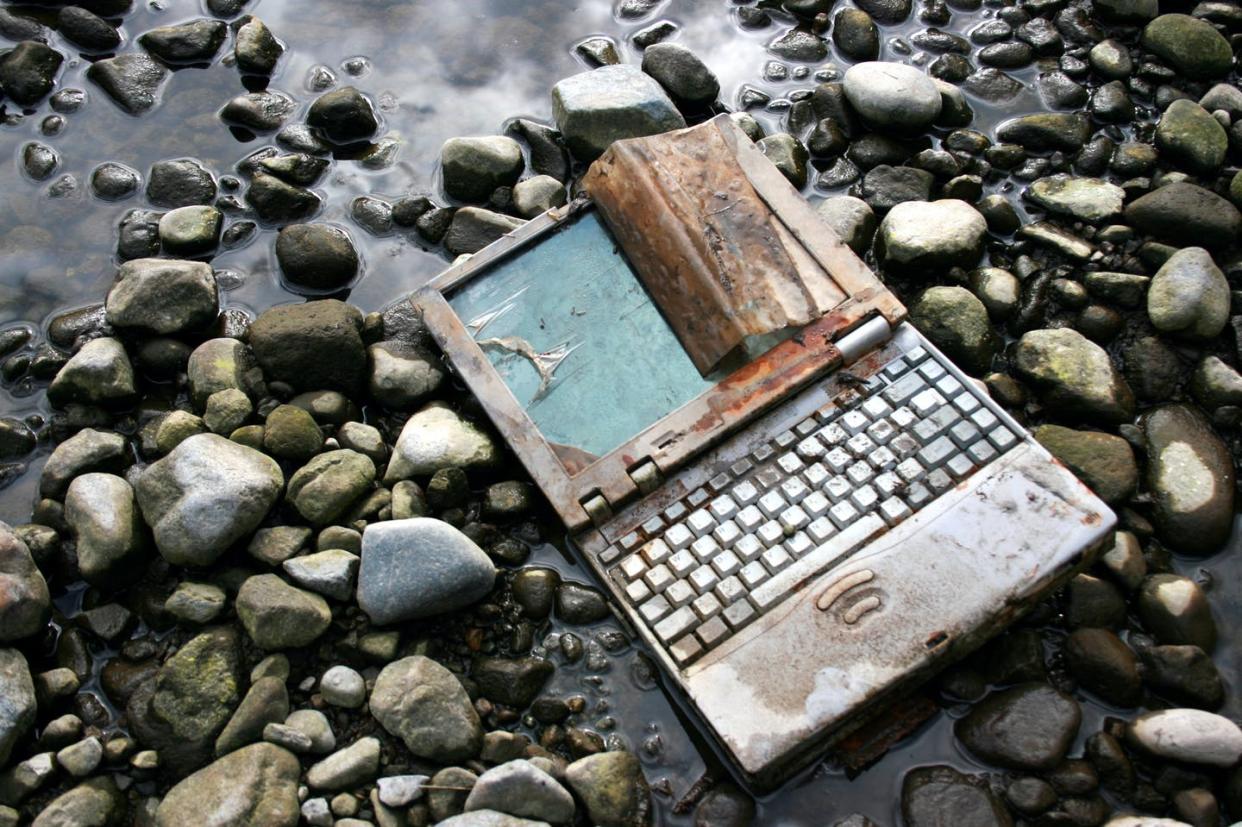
(701, 522)
(882, 458)
(748, 548)
(763, 453)
(659, 578)
(917, 495)
(723, 507)
(749, 519)
(881, 432)
(854, 421)
(904, 388)
(676, 625)
(939, 481)
(864, 498)
(730, 590)
(679, 594)
(629, 541)
(678, 537)
(784, 439)
(916, 355)
(790, 463)
(793, 519)
(982, 452)
(739, 614)
(712, 632)
(960, 466)
(655, 609)
(769, 478)
(964, 433)
(687, 650)
(859, 472)
(682, 563)
(807, 427)
(633, 566)
(637, 592)
(799, 544)
(810, 448)
(875, 408)
(838, 488)
(948, 386)
(770, 533)
(895, 368)
(821, 529)
(706, 606)
(860, 445)
(984, 418)
(966, 402)
(745, 493)
(902, 418)
(780, 586)
(726, 563)
(703, 579)
(926, 401)
(1002, 438)
(794, 489)
(727, 533)
(893, 510)
(887, 484)
(753, 573)
(903, 445)
(838, 459)
(718, 483)
(705, 548)
(937, 452)
(833, 434)
(656, 552)
(815, 475)
(654, 523)
(842, 514)
(932, 370)
(772, 503)
(697, 498)
(776, 558)
(815, 504)
(741, 468)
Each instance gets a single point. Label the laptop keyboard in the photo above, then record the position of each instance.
(731, 551)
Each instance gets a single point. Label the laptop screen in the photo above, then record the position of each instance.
(578, 341)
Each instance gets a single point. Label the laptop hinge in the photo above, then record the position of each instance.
(863, 339)
(597, 508)
(646, 476)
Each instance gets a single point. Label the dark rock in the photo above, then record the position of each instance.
(17, 27)
(937, 796)
(799, 45)
(856, 35)
(194, 42)
(25, 603)
(577, 604)
(1191, 477)
(344, 116)
(259, 111)
(547, 155)
(1175, 610)
(28, 72)
(886, 11)
(133, 80)
(277, 202)
(1028, 727)
(39, 161)
(512, 682)
(473, 228)
(1184, 674)
(1193, 47)
(312, 346)
(87, 30)
(180, 183)
(111, 181)
(1204, 218)
(1047, 131)
(474, 167)
(1103, 461)
(316, 256)
(1104, 665)
(256, 48)
(682, 74)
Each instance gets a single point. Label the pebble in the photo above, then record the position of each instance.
(1104, 462)
(1074, 376)
(1189, 295)
(25, 603)
(1175, 610)
(1027, 727)
(401, 790)
(133, 81)
(260, 780)
(348, 767)
(312, 346)
(892, 95)
(940, 795)
(1191, 478)
(611, 786)
(314, 725)
(279, 616)
(195, 41)
(112, 540)
(343, 687)
(1204, 218)
(595, 108)
(473, 228)
(343, 116)
(28, 72)
(423, 704)
(328, 484)
(331, 573)
(917, 236)
(956, 321)
(196, 603)
(521, 789)
(473, 168)
(94, 801)
(256, 49)
(682, 73)
(1191, 736)
(1086, 199)
(1193, 47)
(402, 375)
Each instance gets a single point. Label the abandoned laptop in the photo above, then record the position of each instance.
(796, 501)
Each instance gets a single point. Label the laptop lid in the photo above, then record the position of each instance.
(572, 330)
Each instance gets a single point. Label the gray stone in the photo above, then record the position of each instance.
(164, 296)
(851, 219)
(343, 116)
(1189, 295)
(474, 167)
(220, 365)
(257, 786)
(17, 701)
(1103, 461)
(538, 195)
(329, 484)
(489, 818)
(423, 704)
(93, 803)
(25, 603)
(1028, 727)
(917, 236)
(197, 603)
(436, 438)
(277, 544)
(264, 111)
(1188, 135)
(1190, 736)
(892, 95)
(257, 50)
(226, 411)
(279, 616)
(1184, 674)
(112, 540)
(1074, 376)
(521, 789)
(39, 161)
(937, 796)
(317, 256)
(1223, 97)
(290, 433)
(332, 572)
(788, 155)
(682, 74)
(348, 767)
(87, 450)
(266, 702)
(314, 725)
(419, 567)
(401, 790)
(799, 45)
(191, 231)
(174, 428)
(283, 735)
(132, 81)
(1193, 47)
(473, 228)
(999, 290)
(957, 323)
(98, 374)
(1203, 217)
(343, 687)
(595, 108)
(312, 346)
(1215, 384)
(402, 374)
(1191, 478)
(1176, 611)
(365, 439)
(195, 41)
(277, 202)
(612, 787)
(206, 495)
(1086, 199)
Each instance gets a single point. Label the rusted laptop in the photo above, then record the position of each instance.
(795, 500)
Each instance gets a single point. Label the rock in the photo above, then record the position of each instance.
(98, 374)
(164, 296)
(1027, 727)
(196, 41)
(1188, 135)
(343, 116)
(1074, 376)
(595, 108)
(538, 195)
(799, 45)
(513, 682)
(343, 687)
(39, 161)
(892, 96)
(267, 702)
(957, 323)
(197, 603)
(851, 219)
(1176, 611)
(332, 572)
(683, 75)
(190, 701)
(28, 72)
(222, 365)
(1047, 131)
(1191, 479)
(402, 374)
(180, 183)
(489, 818)
(315, 726)
(939, 795)
(256, 786)
(112, 540)
(227, 410)
(1104, 665)
(132, 80)
(788, 155)
(25, 603)
(1190, 736)
(1189, 295)
(257, 50)
(519, 788)
(292, 434)
(1215, 384)
(17, 27)
(1103, 461)
(855, 35)
(436, 438)
(276, 202)
(191, 231)
(612, 787)
(17, 711)
(87, 30)
(312, 346)
(279, 616)
(423, 704)
(727, 806)
(317, 256)
(111, 181)
(1204, 218)
(300, 169)
(1086, 199)
(1184, 674)
(419, 567)
(917, 236)
(1191, 46)
(401, 790)
(207, 494)
(473, 228)
(474, 167)
(345, 768)
(87, 450)
(93, 803)
(365, 439)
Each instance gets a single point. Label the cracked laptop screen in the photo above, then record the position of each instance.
(579, 341)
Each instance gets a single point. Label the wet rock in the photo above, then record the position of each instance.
(520, 788)
(851, 219)
(329, 484)
(98, 374)
(191, 231)
(345, 768)
(28, 72)
(180, 182)
(892, 95)
(112, 540)
(1193, 47)
(855, 35)
(423, 704)
(87, 450)
(266, 702)
(957, 323)
(436, 438)
(259, 111)
(207, 494)
(344, 116)
(196, 41)
(612, 788)
(799, 45)
(312, 346)
(1047, 131)
(16, 439)
(1189, 295)
(419, 567)
(279, 616)
(727, 806)
(132, 81)
(317, 256)
(17, 713)
(1103, 461)
(1204, 218)
(1188, 135)
(595, 108)
(39, 161)
(473, 228)
(474, 167)
(1184, 674)
(25, 603)
(222, 365)
(1104, 665)
(683, 75)
(513, 682)
(538, 195)
(1215, 384)
(918, 236)
(257, 50)
(93, 802)
(372, 214)
(1086, 199)
(1190, 736)
(276, 202)
(940, 795)
(547, 154)
(1074, 376)
(332, 573)
(197, 603)
(299, 168)
(489, 818)
(163, 296)
(1176, 611)
(17, 27)
(1028, 727)
(111, 181)
(256, 785)
(788, 155)
(1190, 475)
(402, 375)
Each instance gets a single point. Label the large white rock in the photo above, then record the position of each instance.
(436, 438)
(595, 108)
(1192, 736)
(931, 235)
(892, 95)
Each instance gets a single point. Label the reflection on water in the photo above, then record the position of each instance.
(437, 70)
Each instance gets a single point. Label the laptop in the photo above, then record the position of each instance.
(793, 498)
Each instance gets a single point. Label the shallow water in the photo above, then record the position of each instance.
(437, 71)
